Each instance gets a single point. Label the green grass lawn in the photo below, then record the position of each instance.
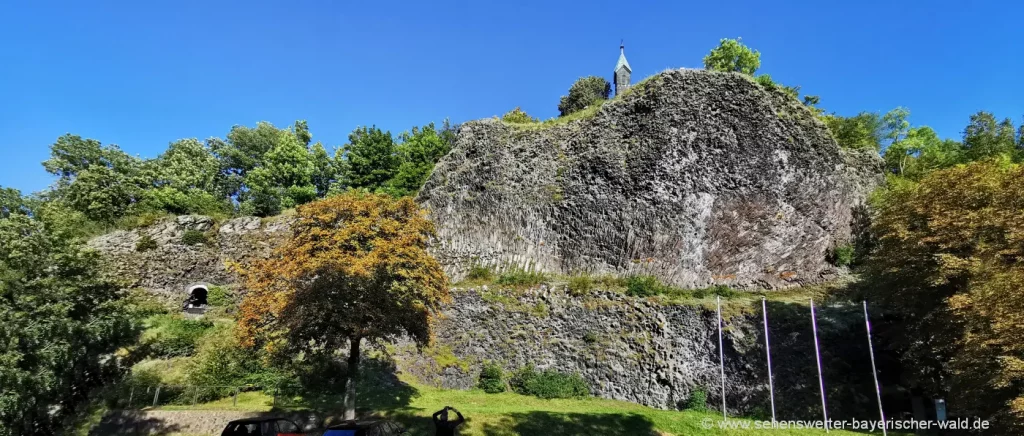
(508, 414)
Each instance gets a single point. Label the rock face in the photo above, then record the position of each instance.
(696, 177)
(641, 350)
(652, 353)
(167, 269)
(626, 348)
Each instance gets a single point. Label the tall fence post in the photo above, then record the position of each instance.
(131, 394)
(721, 354)
(768, 353)
(156, 396)
(874, 369)
(817, 357)
(234, 402)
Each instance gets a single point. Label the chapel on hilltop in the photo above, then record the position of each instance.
(622, 71)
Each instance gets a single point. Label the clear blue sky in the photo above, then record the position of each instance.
(143, 73)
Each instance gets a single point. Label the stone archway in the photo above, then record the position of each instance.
(196, 301)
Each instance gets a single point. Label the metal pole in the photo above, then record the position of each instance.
(817, 356)
(156, 396)
(768, 352)
(131, 394)
(234, 403)
(721, 354)
(874, 370)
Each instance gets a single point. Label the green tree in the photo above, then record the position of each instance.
(187, 165)
(283, 179)
(301, 129)
(1020, 141)
(920, 152)
(241, 152)
(370, 159)
(11, 202)
(862, 131)
(732, 55)
(325, 172)
(418, 152)
(60, 324)
(984, 137)
(895, 128)
(102, 182)
(584, 92)
(359, 262)
(71, 155)
(101, 193)
(948, 272)
(184, 180)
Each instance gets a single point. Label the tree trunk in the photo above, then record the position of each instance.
(353, 375)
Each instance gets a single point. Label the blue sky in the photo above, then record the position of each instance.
(142, 74)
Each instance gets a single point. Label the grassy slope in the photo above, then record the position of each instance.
(509, 414)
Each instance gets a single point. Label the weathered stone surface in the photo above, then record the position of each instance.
(655, 354)
(173, 265)
(626, 348)
(694, 176)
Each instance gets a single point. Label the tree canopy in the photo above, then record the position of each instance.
(60, 321)
(356, 267)
(584, 92)
(948, 261)
(733, 55)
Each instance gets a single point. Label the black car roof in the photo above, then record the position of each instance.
(254, 420)
(351, 425)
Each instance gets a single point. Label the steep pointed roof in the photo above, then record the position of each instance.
(622, 60)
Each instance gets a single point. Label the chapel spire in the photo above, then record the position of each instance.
(622, 71)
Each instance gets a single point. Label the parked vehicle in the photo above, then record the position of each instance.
(262, 427)
(365, 428)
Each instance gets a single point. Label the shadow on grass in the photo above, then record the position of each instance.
(133, 422)
(547, 423)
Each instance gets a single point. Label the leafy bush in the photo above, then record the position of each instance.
(221, 361)
(580, 285)
(590, 338)
(492, 379)
(218, 296)
(521, 277)
(145, 243)
(142, 304)
(719, 290)
(192, 201)
(173, 335)
(193, 237)
(480, 272)
(585, 92)
(644, 286)
(518, 116)
(548, 383)
(698, 400)
(842, 255)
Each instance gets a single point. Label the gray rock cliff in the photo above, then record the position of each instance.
(696, 177)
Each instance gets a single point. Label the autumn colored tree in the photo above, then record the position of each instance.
(355, 268)
(950, 266)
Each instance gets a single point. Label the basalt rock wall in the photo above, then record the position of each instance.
(696, 177)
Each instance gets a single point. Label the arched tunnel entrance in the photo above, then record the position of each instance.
(196, 300)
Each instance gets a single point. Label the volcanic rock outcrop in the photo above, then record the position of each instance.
(695, 177)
